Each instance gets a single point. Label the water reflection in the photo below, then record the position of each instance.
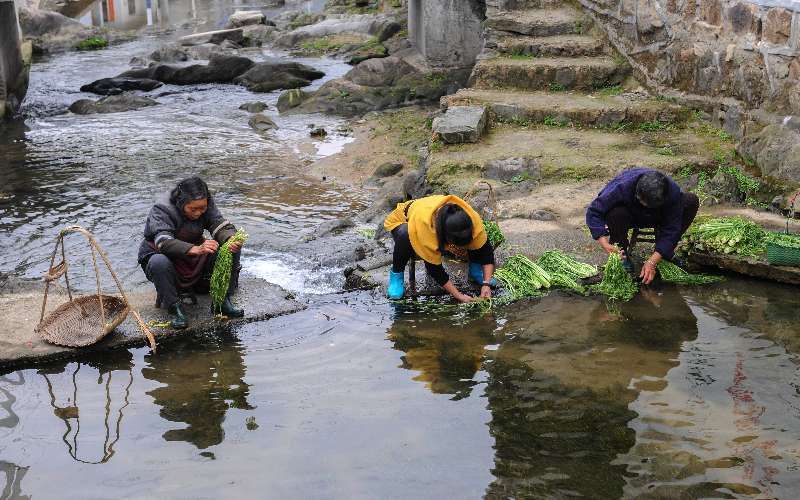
(66, 404)
(12, 487)
(559, 391)
(446, 360)
(202, 380)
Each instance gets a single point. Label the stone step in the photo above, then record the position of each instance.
(543, 73)
(494, 6)
(595, 110)
(539, 22)
(550, 46)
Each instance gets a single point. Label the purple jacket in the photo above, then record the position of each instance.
(621, 191)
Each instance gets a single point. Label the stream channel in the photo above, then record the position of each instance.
(681, 393)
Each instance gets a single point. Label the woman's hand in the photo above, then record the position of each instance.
(464, 298)
(649, 268)
(235, 247)
(609, 248)
(207, 247)
(486, 292)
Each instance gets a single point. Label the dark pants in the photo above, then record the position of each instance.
(403, 252)
(620, 220)
(161, 272)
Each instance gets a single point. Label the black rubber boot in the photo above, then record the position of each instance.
(229, 310)
(179, 321)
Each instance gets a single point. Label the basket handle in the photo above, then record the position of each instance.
(492, 196)
(95, 247)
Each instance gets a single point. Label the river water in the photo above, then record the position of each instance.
(681, 393)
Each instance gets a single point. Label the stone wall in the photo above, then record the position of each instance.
(728, 56)
(447, 32)
(14, 60)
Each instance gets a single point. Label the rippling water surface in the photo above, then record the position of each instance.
(354, 398)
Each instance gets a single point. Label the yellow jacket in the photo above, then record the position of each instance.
(421, 221)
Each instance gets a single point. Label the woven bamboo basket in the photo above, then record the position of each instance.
(84, 320)
(80, 322)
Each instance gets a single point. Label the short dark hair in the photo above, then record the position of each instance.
(453, 225)
(190, 189)
(651, 189)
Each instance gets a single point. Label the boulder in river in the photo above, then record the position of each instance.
(276, 74)
(291, 99)
(113, 86)
(111, 104)
(399, 80)
(254, 107)
(242, 18)
(379, 26)
(235, 35)
(261, 123)
(220, 69)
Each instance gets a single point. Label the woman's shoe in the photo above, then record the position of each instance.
(229, 310)
(179, 321)
(476, 274)
(396, 286)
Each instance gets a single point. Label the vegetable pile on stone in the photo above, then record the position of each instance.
(522, 277)
(565, 271)
(727, 235)
(221, 276)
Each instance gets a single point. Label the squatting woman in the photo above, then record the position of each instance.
(175, 255)
(425, 229)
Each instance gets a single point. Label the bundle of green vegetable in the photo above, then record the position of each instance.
(565, 271)
(617, 284)
(522, 277)
(671, 273)
(556, 261)
(729, 235)
(221, 276)
(493, 232)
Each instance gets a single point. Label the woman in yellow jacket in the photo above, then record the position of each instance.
(425, 228)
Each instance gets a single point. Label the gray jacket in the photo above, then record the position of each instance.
(169, 232)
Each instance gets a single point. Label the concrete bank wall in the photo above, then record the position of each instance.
(740, 53)
(14, 61)
(447, 32)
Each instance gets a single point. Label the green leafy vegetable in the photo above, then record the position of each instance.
(522, 277)
(555, 261)
(728, 235)
(617, 284)
(493, 232)
(671, 273)
(221, 276)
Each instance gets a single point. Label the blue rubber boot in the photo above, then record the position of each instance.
(396, 286)
(476, 274)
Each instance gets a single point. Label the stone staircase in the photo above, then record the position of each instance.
(543, 62)
(541, 48)
(558, 97)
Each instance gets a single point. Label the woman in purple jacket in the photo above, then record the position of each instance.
(638, 198)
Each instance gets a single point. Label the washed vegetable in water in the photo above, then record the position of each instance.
(671, 273)
(617, 284)
(221, 276)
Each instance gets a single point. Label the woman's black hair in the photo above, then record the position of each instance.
(193, 188)
(453, 225)
(651, 189)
